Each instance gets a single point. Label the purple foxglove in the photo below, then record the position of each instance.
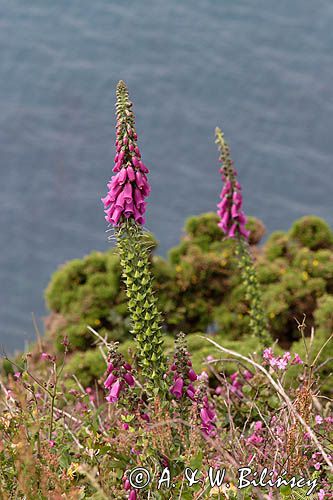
(177, 388)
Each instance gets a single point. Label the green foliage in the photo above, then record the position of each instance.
(312, 232)
(88, 366)
(199, 288)
(142, 303)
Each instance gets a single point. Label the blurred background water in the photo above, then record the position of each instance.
(261, 70)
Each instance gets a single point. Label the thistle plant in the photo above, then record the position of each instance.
(232, 223)
(125, 210)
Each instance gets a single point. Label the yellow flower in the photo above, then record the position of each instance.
(97, 322)
(305, 276)
(304, 262)
(272, 315)
(315, 263)
(72, 470)
(178, 269)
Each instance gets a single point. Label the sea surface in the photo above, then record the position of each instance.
(262, 70)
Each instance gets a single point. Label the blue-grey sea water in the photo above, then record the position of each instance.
(260, 69)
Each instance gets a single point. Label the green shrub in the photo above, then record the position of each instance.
(312, 232)
(199, 288)
(86, 366)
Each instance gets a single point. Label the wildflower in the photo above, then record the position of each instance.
(282, 363)
(177, 388)
(127, 189)
(127, 485)
(65, 341)
(319, 420)
(258, 425)
(51, 443)
(17, 375)
(203, 375)
(255, 439)
(268, 354)
(297, 360)
(190, 391)
(72, 470)
(247, 375)
(129, 379)
(110, 381)
(232, 218)
(208, 417)
(236, 385)
(132, 495)
(114, 392)
(183, 373)
(321, 494)
(45, 356)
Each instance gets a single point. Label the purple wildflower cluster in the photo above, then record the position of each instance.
(183, 373)
(208, 417)
(280, 362)
(129, 187)
(183, 382)
(127, 487)
(119, 377)
(183, 389)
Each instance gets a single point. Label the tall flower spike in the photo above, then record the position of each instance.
(125, 209)
(232, 224)
(129, 187)
(232, 218)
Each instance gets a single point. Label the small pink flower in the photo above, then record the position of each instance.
(45, 356)
(192, 375)
(51, 443)
(282, 363)
(125, 426)
(255, 439)
(297, 360)
(319, 420)
(258, 425)
(268, 354)
(317, 465)
(321, 494)
(132, 495)
(127, 485)
(17, 375)
(203, 376)
(247, 375)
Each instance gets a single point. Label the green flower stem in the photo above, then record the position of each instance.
(145, 316)
(258, 318)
